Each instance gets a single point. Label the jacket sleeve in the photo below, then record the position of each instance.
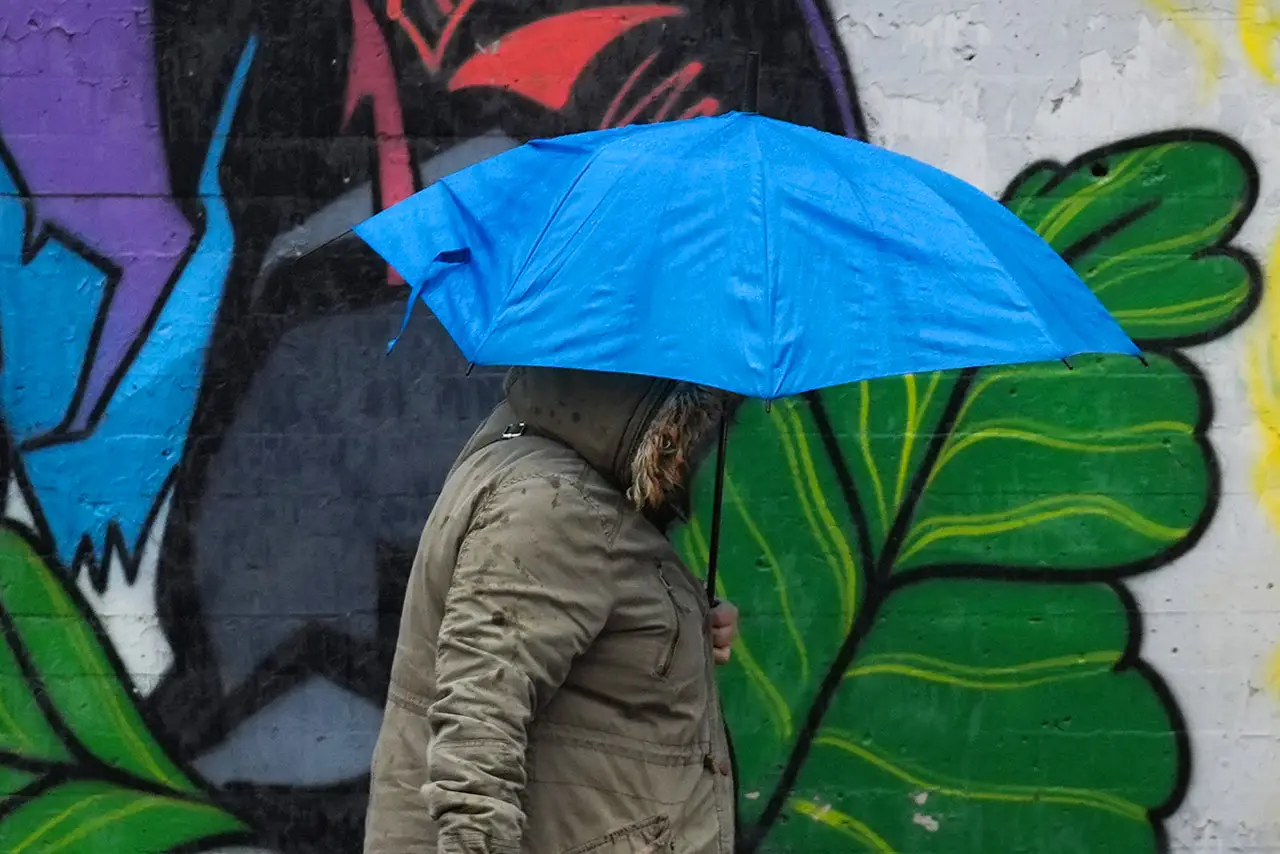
(529, 594)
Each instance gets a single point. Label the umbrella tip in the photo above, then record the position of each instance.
(1143, 360)
(1068, 364)
(751, 96)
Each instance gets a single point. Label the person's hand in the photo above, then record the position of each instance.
(724, 630)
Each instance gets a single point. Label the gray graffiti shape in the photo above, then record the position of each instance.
(335, 449)
(339, 216)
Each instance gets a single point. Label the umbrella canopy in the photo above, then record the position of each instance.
(738, 252)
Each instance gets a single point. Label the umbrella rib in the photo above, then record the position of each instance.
(836, 170)
(695, 143)
(770, 285)
(533, 250)
(915, 167)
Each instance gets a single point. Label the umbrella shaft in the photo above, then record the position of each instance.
(713, 559)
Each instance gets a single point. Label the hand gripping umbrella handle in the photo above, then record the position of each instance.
(713, 558)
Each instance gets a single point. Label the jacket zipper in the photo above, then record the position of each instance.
(665, 667)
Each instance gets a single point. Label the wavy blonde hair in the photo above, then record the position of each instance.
(661, 461)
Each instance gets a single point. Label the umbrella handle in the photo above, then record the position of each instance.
(713, 557)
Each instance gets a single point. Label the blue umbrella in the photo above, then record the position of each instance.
(738, 252)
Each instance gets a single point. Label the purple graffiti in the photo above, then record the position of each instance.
(79, 113)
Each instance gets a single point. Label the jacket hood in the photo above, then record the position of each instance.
(641, 433)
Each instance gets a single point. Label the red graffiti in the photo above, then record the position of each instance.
(673, 86)
(543, 60)
(371, 78)
(432, 54)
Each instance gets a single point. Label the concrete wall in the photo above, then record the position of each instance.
(1025, 609)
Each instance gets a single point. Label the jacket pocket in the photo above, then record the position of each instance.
(678, 612)
(648, 836)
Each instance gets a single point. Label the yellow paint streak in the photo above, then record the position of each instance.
(101, 821)
(696, 544)
(1122, 173)
(1272, 675)
(1124, 440)
(1263, 374)
(915, 418)
(967, 790)
(1013, 677)
(828, 533)
(779, 579)
(775, 704)
(1184, 311)
(791, 452)
(908, 438)
(864, 442)
(1051, 509)
(1187, 241)
(54, 821)
(990, 377)
(1227, 303)
(1202, 40)
(1260, 37)
(845, 824)
(1149, 266)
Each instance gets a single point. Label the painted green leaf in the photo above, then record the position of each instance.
(26, 736)
(1096, 467)
(90, 817)
(1145, 223)
(1003, 703)
(803, 596)
(52, 651)
(24, 730)
(70, 666)
(985, 694)
(988, 717)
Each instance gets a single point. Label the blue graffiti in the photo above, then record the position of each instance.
(115, 476)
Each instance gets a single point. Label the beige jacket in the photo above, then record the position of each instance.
(553, 688)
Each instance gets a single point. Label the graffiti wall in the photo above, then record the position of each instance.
(1025, 609)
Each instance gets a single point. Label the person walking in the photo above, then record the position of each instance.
(553, 687)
